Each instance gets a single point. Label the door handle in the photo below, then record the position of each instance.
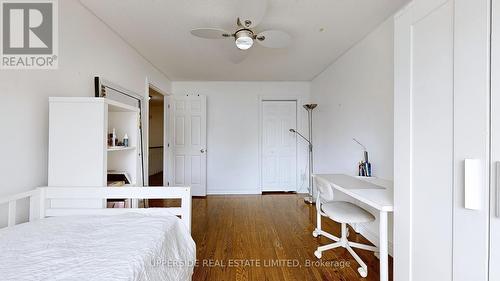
(472, 184)
(497, 190)
(202, 150)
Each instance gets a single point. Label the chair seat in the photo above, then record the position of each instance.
(346, 212)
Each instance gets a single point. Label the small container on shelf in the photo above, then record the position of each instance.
(125, 140)
(113, 138)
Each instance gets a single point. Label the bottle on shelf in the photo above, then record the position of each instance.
(113, 138)
(125, 140)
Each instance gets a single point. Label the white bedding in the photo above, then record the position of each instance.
(145, 247)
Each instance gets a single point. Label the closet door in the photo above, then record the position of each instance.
(471, 140)
(279, 146)
(494, 237)
(423, 174)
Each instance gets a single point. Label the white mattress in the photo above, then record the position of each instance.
(121, 247)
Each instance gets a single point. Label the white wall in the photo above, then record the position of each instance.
(233, 130)
(87, 48)
(355, 99)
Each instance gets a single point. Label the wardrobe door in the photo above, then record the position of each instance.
(423, 175)
(494, 236)
(471, 140)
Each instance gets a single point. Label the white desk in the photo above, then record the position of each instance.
(376, 193)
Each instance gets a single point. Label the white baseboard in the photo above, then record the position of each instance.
(372, 237)
(234, 192)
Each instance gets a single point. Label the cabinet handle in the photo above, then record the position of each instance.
(472, 184)
(497, 190)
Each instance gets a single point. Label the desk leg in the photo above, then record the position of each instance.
(384, 255)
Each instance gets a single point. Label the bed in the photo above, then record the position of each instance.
(98, 244)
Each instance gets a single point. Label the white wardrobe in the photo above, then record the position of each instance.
(445, 222)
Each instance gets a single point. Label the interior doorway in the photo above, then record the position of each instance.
(156, 137)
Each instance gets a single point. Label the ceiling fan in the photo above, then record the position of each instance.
(251, 13)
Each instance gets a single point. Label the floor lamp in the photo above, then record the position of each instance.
(309, 107)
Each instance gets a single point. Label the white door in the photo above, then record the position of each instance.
(279, 146)
(494, 236)
(471, 138)
(423, 140)
(188, 139)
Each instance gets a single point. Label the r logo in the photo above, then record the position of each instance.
(27, 28)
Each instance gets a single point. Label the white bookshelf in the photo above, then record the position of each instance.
(79, 154)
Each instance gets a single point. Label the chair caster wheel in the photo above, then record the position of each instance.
(317, 254)
(315, 233)
(362, 272)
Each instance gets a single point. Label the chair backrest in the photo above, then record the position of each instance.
(324, 189)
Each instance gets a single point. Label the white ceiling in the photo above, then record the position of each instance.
(159, 30)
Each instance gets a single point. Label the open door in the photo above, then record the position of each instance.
(188, 139)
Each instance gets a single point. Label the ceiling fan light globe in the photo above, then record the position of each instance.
(243, 39)
(244, 43)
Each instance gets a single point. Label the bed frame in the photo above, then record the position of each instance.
(40, 198)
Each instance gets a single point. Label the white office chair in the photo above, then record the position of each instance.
(342, 212)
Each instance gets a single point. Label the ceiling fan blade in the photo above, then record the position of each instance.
(251, 12)
(274, 39)
(210, 33)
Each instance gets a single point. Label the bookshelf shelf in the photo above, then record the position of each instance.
(120, 148)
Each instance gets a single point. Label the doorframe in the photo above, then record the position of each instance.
(150, 83)
(299, 115)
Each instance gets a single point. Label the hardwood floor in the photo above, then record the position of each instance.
(240, 237)
(156, 179)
